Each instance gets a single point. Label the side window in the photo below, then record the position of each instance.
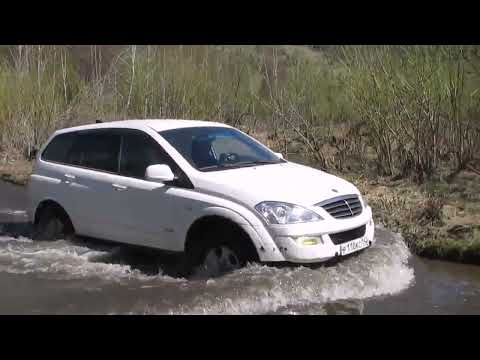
(97, 150)
(58, 148)
(139, 151)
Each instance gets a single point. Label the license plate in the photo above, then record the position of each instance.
(353, 246)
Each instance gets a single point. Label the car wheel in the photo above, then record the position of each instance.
(219, 252)
(52, 226)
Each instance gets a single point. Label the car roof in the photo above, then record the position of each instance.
(155, 124)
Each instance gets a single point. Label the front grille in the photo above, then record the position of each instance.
(343, 206)
(349, 235)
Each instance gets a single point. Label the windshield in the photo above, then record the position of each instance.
(218, 148)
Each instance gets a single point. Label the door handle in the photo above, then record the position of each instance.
(118, 187)
(69, 178)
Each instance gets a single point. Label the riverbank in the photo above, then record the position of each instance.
(439, 220)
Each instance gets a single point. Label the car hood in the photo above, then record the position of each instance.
(286, 182)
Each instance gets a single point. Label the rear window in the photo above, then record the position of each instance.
(58, 148)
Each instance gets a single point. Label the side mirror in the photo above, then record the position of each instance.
(280, 155)
(159, 173)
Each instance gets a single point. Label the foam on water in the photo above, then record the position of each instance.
(62, 260)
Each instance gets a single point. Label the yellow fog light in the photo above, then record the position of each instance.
(309, 240)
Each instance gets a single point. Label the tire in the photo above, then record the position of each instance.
(52, 225)
(218, 251)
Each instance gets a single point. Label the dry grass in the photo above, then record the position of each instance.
(15, 169)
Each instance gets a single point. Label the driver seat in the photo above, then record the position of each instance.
(202, 154)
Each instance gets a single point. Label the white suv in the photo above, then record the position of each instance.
(204, 189)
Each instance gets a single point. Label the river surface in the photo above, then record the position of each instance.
(88, 277)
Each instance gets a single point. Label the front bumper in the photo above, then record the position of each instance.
(288, 249)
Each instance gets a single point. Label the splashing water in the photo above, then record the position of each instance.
(383, 270)
(257, 289)
(61, 260)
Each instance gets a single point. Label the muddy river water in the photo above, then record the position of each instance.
(85, 277)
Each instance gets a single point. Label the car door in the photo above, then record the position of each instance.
(94, 163)
(146, 210)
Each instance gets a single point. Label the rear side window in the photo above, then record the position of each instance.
(58, 148)
(139, 151)
(97, 150)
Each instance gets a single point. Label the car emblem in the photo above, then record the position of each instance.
(335, 190)
(349, 208)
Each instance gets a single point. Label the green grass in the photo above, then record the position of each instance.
(465, 250)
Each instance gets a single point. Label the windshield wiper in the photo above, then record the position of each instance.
(253, 163)
(210, 167)
(239, 164)
(263, 162)
(218, 166)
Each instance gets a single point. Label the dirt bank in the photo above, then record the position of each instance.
(438, 219)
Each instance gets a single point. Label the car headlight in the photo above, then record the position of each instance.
(283, 213)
